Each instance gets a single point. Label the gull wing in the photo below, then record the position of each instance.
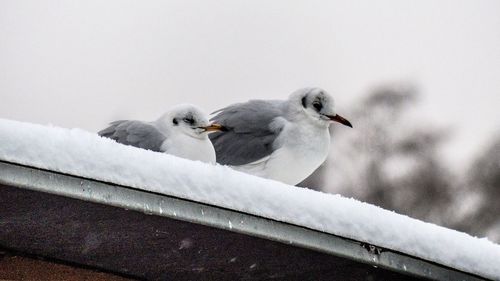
(135, 133)
(251, 130)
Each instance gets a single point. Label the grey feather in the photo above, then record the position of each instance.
(135, 133)
(249, 134)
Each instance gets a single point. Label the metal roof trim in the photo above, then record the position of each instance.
(222, 218)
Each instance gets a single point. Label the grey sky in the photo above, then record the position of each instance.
(85, 63)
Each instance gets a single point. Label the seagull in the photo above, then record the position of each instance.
(283, 140)
(182, 131)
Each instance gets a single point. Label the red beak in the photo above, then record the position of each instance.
(340, 119)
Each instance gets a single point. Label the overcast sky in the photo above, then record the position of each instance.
(85, 63)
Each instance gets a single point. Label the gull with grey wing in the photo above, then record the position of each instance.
(182, 131)
(284, 140)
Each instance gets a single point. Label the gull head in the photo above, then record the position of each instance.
(317, 105)
(189, 120)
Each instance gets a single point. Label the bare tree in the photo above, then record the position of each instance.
(483, 183)
(390, 159)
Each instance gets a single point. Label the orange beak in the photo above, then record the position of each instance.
(214, 127)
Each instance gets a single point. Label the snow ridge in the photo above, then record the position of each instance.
(78, 152)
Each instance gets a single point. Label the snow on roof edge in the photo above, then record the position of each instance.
(78, 152)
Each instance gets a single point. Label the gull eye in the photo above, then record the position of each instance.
(175, 121)
(189, 120)
(317, 105)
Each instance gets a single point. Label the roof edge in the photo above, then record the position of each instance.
(176, 208)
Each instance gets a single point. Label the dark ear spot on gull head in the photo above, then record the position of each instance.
(318, 104)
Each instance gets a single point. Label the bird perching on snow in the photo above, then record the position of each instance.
(281, 140)
(182, 131)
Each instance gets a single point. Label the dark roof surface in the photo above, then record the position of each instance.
(154, 247)
(179, 242)
(19, 266)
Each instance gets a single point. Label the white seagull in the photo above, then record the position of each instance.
(182, 131)
(281, 140)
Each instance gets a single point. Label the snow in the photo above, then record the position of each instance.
(77, 152)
